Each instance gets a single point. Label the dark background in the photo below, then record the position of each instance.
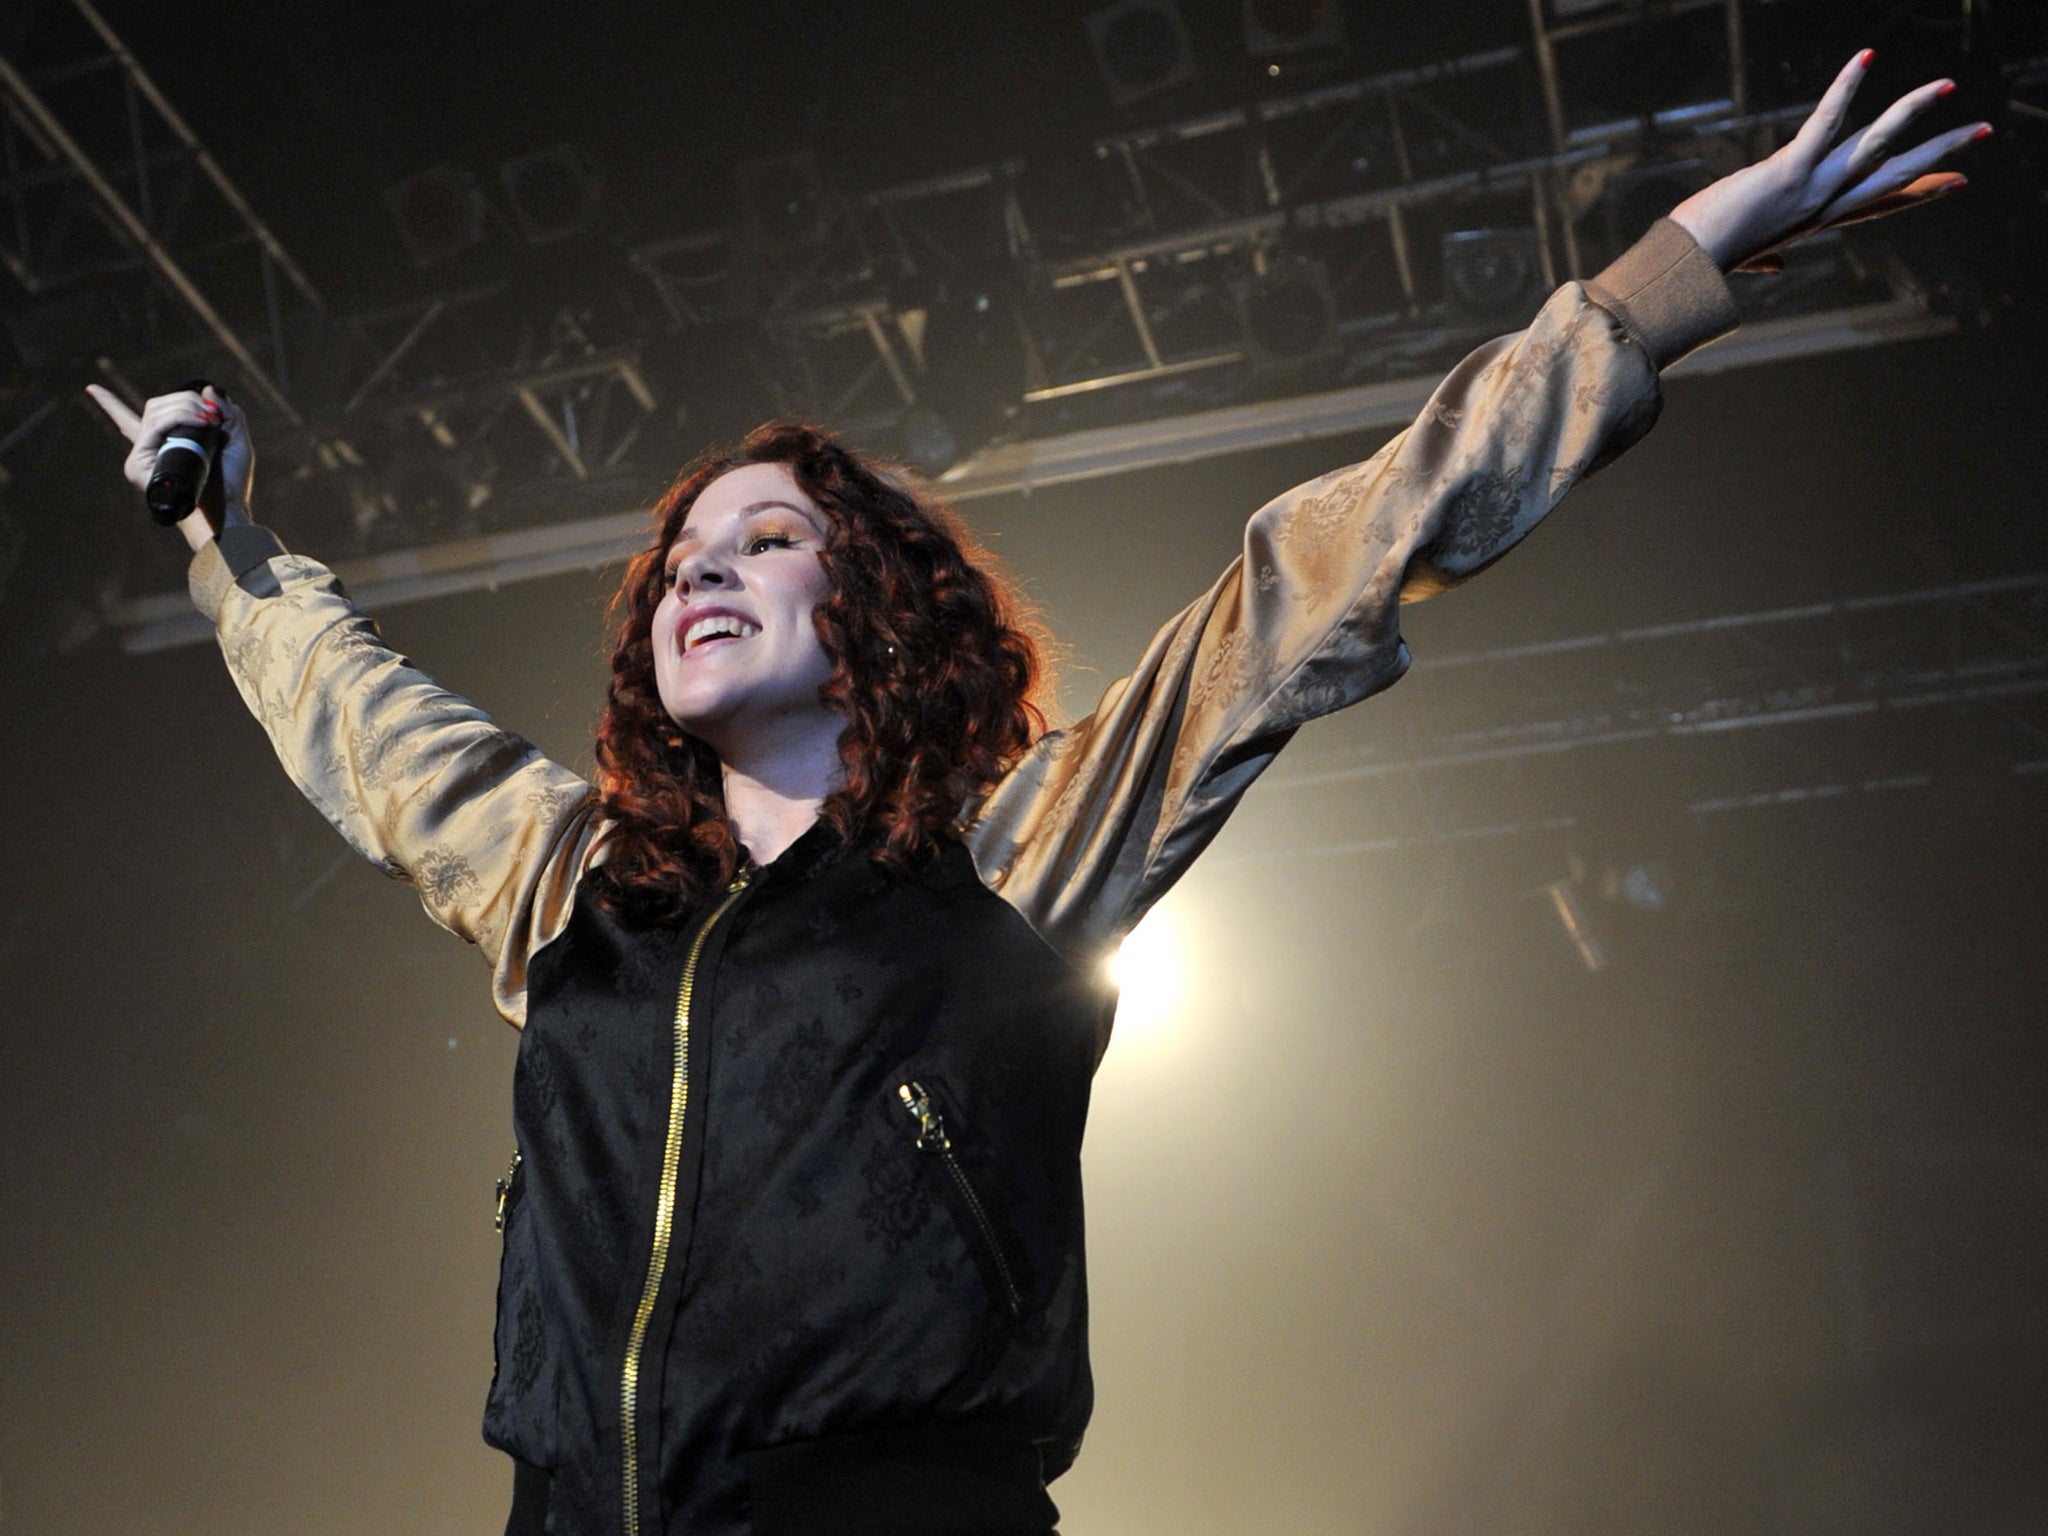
(1404, 1222)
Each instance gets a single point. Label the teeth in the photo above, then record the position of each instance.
(718, 624)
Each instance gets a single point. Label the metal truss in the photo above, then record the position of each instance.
(867, 308)
(107, 192)
(1358, 196)
(1209, 201)
(1552, 39)
(1350, 196)
(1790, 706)
(1301, 265)
(494, 559)
(842, 304)
(479, 412)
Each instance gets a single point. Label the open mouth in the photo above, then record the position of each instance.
(715, 628)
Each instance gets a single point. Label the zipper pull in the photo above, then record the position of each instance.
(505, 1192)
(931, 1125)
(739, 881)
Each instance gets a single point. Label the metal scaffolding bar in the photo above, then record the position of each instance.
(139, 80)
(26, 101)
(470, 565)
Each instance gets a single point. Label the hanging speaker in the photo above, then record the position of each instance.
(1493, 275)
(1142, 49)
(439, 213)
(553, 194)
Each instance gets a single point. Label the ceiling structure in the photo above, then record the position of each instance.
(476, 343)
(1206, 243)
(1208, 239)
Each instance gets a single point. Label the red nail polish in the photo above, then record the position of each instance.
(1982, 133)
(1946, 88)
(1863, 59)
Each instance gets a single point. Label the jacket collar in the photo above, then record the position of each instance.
(821, 848)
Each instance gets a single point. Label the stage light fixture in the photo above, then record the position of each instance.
(1492, 274)
(1142, 48)
(439, 213)
(1280, 28)
(552, 193)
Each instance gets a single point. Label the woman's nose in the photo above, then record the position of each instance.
(703, 569)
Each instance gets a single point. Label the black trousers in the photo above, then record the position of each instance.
(918, 1482)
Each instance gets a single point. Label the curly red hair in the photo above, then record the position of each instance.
(936, 666)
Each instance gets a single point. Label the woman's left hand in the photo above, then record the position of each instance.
(1814, 183)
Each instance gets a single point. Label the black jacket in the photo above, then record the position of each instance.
(872, 1182)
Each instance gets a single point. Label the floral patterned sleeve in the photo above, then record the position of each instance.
(491, 833)
(1099, 820)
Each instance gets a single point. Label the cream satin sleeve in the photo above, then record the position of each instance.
(491, 833)
(1099, 819)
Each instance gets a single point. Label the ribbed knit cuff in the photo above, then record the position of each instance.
(223, 561)
(1667, 293)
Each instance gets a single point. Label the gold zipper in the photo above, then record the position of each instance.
(505, 1191)
(664, 1212)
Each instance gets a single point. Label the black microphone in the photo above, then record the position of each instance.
(182, 467)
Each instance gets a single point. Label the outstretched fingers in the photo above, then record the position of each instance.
(1866, 148)
(1904, 179)
(1824, 176)
(1810, 146)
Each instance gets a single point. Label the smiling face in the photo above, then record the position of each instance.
(737, 660)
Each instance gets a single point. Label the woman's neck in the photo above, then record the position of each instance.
(774, 797)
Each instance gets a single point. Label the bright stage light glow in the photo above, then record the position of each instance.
(1150, 972)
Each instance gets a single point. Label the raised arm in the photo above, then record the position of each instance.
(492, 833)
(1100, 819)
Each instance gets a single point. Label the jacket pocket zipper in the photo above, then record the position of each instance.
(933, 1139)
(506, 1186)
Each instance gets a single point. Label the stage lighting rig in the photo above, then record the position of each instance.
(88, 132)
(1297, 264)
(553, 194)
(1142, 49)
(1493, 276)
(1290, 29)
(438, 212)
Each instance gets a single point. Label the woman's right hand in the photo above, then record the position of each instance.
(226, 497)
